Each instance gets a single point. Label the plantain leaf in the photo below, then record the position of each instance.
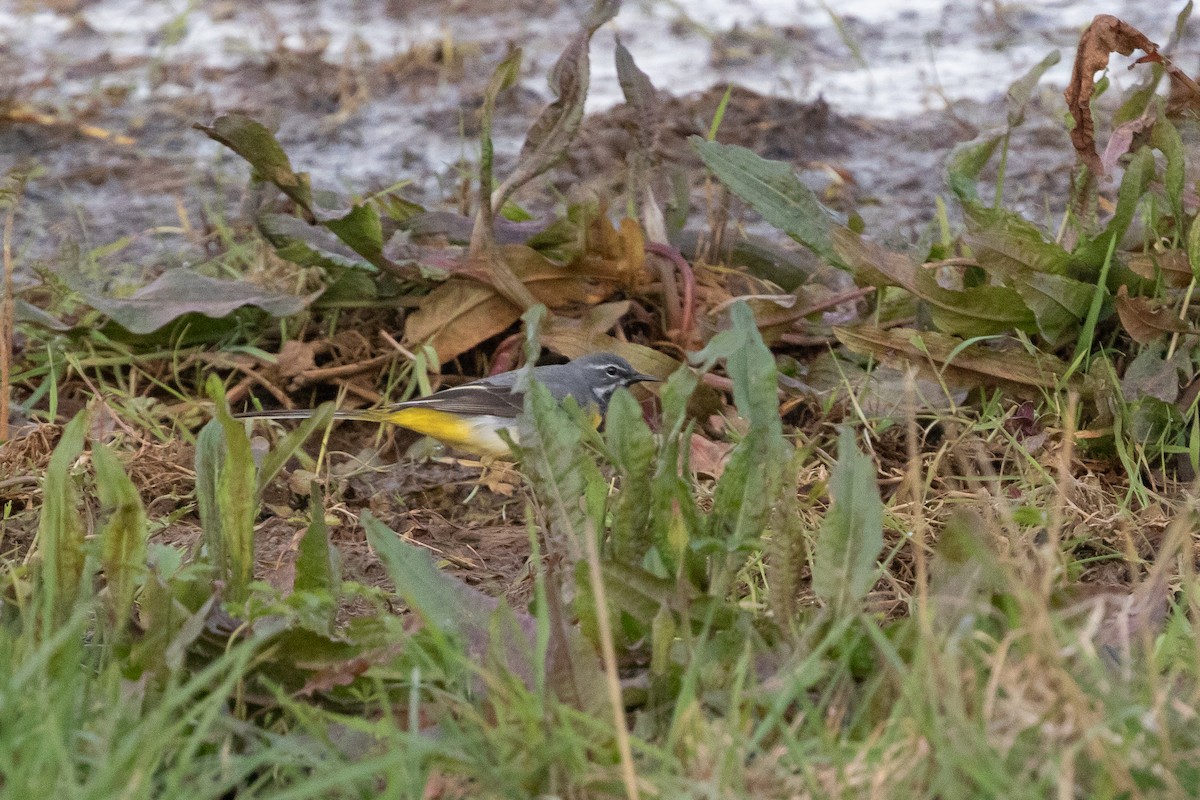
(1166, 139)
(465, 619)
(552, 133)
(123, 537)
(851, 536)
(750, 485)
(316, 561)
(309, 245)
(564, 476)
(673, 514)
(444, 603)
(60, 528)
(1138, 174)
(977, 311)
(631, 444)
(962, 363)
(362, 230)
(226, 496)
(252, 141)
(180, 291)
(966, 161)
(773, 190)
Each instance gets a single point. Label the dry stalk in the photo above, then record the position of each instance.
(6, 321)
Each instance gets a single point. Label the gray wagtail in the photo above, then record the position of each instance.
(469, 417)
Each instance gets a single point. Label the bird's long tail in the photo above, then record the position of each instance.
(364, 414)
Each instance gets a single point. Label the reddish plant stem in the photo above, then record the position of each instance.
(688, 301)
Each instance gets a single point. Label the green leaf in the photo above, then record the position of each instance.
(772, 189)
(209, 456)
(749, 487)
(358, 226)
(968, 159)
(1138, 174)
(123, 537)
(252, 141)
(1193, 246)
(503, 77)
(631, 444)
(965, 163)
(1020, 91)
(362, 230)
(641, 594)
(1059, 304)
(787, 558)
(978, 311)
(673, 515)
(180, 291)
(1008, 247)
(851, 536)
(1007, 244)
(448, 606)
(316, 561)
(226, 496)
(1165, 137)
(309, 245)
(60, 528)
(562, 471)
(350, 289)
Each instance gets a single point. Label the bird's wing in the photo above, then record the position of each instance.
(487, 396)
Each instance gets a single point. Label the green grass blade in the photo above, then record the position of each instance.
(289, 444)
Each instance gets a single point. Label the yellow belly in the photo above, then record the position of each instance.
(478, 435)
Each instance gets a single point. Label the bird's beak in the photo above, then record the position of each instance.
(642, 377)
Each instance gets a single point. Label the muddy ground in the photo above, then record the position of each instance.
(102, 96)
(365, 95)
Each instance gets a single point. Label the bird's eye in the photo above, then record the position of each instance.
(613, 372)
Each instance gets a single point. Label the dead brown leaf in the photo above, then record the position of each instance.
(344, 673)
(1172, 265)
(945, 357)
(1145, 321)
(1105, 35)
(622, 247)
(1122, 138)
(1134, 618)
(463, 312)
(708, 457)
(568, 338)
(296, 357)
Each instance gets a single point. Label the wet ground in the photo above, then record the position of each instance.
(865, 98)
